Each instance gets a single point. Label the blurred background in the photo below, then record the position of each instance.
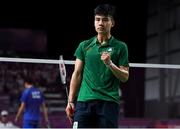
(46, 29)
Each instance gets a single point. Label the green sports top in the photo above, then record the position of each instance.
(98, 81)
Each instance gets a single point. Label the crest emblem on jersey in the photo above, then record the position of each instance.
(109, 50)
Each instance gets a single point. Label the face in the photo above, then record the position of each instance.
(26, 84)
(4, 118)
(103, 24)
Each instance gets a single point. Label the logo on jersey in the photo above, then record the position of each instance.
(109, 50)
(36, 95)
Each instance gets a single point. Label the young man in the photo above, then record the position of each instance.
(100, 67)
(31, 102)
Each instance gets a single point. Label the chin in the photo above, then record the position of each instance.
(102, 33)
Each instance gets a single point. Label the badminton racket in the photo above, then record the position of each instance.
(62, 71)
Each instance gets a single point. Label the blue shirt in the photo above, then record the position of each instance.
(33, 99)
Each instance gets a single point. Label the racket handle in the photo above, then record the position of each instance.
(67, 93)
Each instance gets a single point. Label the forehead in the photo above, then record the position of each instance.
(102, 17)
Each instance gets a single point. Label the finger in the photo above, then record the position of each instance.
(104, 52)
(70, 120)
(69, 113)
(103, 57)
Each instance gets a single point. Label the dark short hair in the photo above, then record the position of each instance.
(28, 77)
(105, 10)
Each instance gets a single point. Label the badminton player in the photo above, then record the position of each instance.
(101, 66)
(32, 101)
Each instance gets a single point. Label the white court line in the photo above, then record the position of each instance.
(71, 62)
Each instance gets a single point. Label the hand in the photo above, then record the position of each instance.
(70, 111)
(16, 120)
(106, 58)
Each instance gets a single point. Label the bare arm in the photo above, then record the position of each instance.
(75, 80)
(45, 112)
(20, 110)
(74, 87)
(120, 72)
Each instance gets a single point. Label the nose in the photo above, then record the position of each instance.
(100, 22)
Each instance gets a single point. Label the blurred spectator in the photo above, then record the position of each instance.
(5, 123)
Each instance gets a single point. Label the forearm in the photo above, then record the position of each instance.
(121, 72)
(45, 112)
(19, 112)
(74, 86)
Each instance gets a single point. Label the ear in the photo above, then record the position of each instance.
(113, 23)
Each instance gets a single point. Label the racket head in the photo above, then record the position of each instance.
(62, 70)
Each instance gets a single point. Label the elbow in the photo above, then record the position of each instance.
(125, 78)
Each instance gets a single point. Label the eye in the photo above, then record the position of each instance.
(105, 19)
(97, 19)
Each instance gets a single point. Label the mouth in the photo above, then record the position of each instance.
(101, 28)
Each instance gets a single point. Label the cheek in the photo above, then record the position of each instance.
(95, 24)
(110, 26)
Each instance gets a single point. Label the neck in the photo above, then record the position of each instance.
(103, 38)
(29, 85)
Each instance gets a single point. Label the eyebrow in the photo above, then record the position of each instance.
(101, 17)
